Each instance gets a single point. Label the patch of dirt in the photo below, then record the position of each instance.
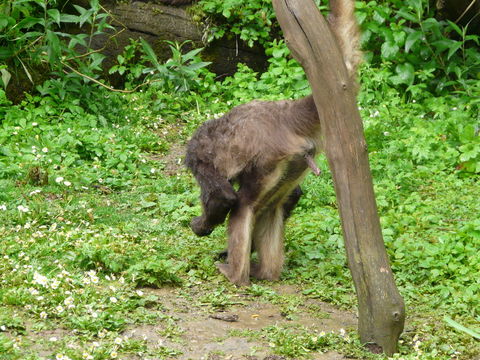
(172, 162)
(205, 334)
(45, 338)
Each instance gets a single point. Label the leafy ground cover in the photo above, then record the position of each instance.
(96, 257)
(94, 213)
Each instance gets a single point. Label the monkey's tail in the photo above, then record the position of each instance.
(345, 27)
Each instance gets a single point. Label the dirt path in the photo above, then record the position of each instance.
(205, 334)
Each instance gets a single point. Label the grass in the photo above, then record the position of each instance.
(81, 252)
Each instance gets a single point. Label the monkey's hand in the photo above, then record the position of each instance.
(199, 227)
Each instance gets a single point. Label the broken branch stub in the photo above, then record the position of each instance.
(381, 308)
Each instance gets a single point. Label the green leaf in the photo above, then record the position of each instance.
(462, 328)
(67, 18)
(389, 50)
(28, 22)
(278, 53)
(6, 53)
(406, 72)
(149, 52)
(402, 13)
(442, 44)
(94, 4)
(456, 28)
(53, 47)
(191, 54)
(416, 4)
(6, 76)
(85, 14)
(198, 65)
(399, 37)
(97, 59)
(453, 49)
(412, 38)
(54, 15)
(3, 21)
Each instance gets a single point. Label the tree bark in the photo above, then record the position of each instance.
(380, 306)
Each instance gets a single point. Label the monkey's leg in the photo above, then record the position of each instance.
(268, 241)
(237, 268)
(217, 196)
(291, 202)
(288, 207)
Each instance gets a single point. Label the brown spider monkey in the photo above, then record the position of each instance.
(266, 147)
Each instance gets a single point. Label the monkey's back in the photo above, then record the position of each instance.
(258, 133)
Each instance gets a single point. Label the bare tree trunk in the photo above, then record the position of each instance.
(380, 306)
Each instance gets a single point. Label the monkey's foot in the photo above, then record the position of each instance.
(258, 273)
(227, 270)
(199, 227)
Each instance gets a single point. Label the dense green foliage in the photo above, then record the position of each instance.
(94, 203)
(419, 51)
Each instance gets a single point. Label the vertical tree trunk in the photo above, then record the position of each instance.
(380, 306)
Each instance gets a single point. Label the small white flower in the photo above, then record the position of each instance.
(113, 299)
(53, 339)
(33, 291)
(23, 209)
(3, 328)
(45, 150)
(59, 309)
(139, 292)
(67, 183)
(43, 315)
(342, 332)
(87, 356)
(34, 124)
(152, 171)
(113, 354)
(68, 301)
(55, 283)
(59, 179)
(3, 207)
(40, 279)
(118, 340)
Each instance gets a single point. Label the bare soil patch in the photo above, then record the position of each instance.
(205, 333)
